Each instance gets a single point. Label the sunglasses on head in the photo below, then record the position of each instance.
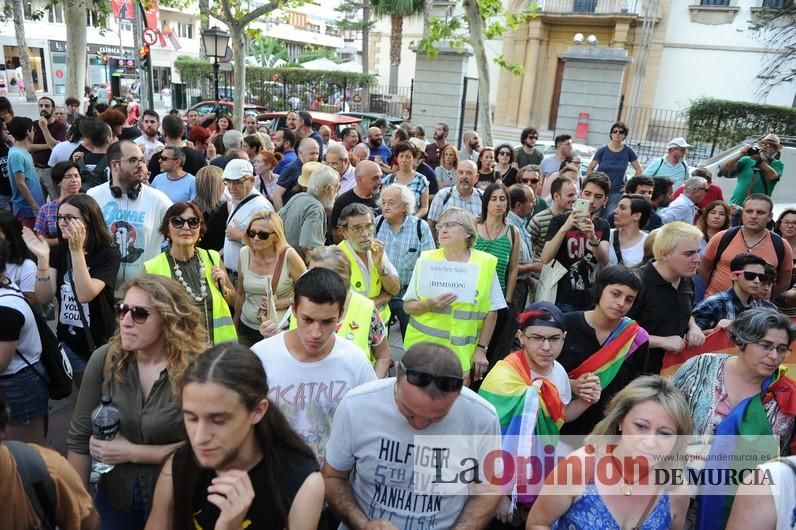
(179, 222)
(750, 276)
(422, 379)
(140, 314)
(262, 235)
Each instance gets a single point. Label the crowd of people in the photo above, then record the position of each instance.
(232, 293)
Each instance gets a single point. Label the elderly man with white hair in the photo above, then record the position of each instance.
(337, 158)
(405, 237)
(684, 208)
(304, 216)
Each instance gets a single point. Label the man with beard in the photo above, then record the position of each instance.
(304, 216)
(463, 195)
(308, 151)
(368, 184)
(249, 125)
(150, 121)
(132, 211)
(47, 132)
(752, 236)
(527, 153)
(285, 143)
(372, 273)
(434, 149)
(564, 194)
(291, 120)
(471, 146)
(377, 148)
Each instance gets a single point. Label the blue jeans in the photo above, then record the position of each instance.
(113, 519)
(26, 394)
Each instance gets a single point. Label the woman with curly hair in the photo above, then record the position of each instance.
(160, 332)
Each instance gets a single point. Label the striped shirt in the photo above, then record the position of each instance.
(403, 248)
(525, 249)
(450, 198)
(537, 227)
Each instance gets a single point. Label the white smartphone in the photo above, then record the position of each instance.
(582, 205)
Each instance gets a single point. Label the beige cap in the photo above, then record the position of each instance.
(772, 139)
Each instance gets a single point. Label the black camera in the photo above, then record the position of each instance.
(753, 151)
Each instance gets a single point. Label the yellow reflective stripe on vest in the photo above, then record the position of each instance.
(459, 325)
(223, 325)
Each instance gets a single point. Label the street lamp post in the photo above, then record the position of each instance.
(215, 41)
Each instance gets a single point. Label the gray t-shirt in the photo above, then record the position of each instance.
(549, 165)
(370, 436)
(305, 221)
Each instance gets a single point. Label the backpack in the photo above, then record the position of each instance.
(776, 240)
(37, 482)
(417, 227)
(56, 364)
(93, 177)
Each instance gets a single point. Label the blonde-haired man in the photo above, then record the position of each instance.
(663, 307)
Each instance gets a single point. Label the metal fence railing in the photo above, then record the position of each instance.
(602, 7)
(319, 95)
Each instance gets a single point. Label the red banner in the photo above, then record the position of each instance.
(123, 10)
(717, 342)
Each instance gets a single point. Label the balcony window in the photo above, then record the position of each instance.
(55, 14)
(777, 4)
(584, 6)
(715, 2)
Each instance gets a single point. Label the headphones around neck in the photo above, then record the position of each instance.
(132, 193)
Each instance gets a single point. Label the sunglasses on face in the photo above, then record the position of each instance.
(750, 276)
(533, 182)
(179, 222)
(139, 314)
(617, 131)
(262, 235)
(422, 380)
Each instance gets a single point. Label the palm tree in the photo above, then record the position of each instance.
(397, 10)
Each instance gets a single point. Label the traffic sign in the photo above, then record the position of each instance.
(150, 36)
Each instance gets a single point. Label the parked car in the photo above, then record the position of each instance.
(335, 122)
(369, 117)
(207, 107)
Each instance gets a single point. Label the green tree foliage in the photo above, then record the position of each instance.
(777, 29)
(479, 20)
(397, 10)
(356, 17)
(729, 122)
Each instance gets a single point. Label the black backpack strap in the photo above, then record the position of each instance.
(378, 224)
(723, 244)
(660, 165)
(779, 248)
(36, 480)
(448, 196)
(419, 233)
(617, 246)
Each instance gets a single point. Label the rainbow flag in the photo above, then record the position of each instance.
(744, 431)
(621, 344)
(530, 411)
(717, 342)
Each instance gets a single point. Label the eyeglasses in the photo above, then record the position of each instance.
(617, 131)
(446, 383)
(179, 222)
(262, 235)
(447, 225)
(538, 340)
(530, 181)
(532, 138)
(66, 218)
(788, 223)
(134, 161)
(361, 229)
(750, 276)
(505, 153)
(767, 346)
(140, 314)
(167, 158)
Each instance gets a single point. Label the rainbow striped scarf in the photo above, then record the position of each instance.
(744, 431)
(621, 344)
(530, 410)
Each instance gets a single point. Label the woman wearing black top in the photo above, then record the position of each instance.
(504, 166)
(210, 199)
(486, 168)
(81, 269)
(245, 466)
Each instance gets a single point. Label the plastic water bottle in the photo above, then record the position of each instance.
(105, 421)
